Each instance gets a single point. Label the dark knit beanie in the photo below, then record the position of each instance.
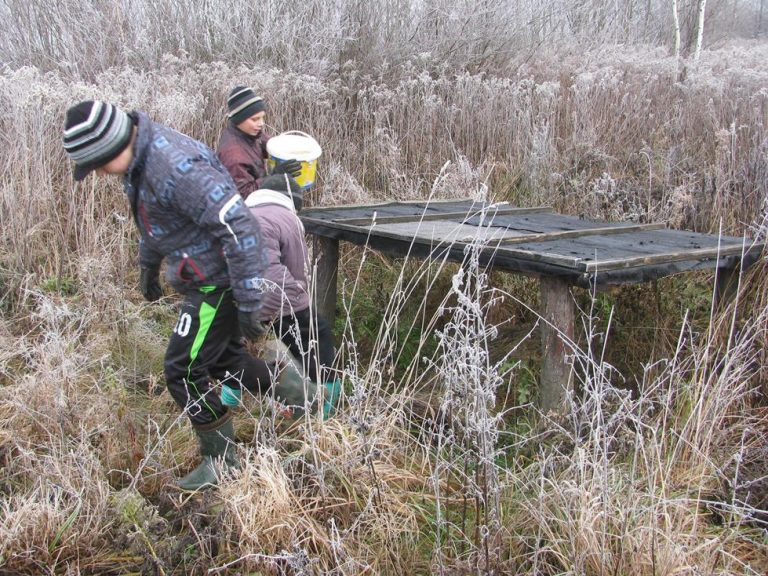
(95, 133)
(287, 185)
(242, 104)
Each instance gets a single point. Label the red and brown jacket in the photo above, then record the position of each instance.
(245, 157)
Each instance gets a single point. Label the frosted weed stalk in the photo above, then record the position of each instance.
(467, 451)
(623, 482)
(55, 492)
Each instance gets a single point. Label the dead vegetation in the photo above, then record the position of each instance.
(437, 462)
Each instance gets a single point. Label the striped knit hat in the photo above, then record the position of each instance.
(95, 133)
(242, 104)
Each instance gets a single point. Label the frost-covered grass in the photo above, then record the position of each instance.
(428, 467)
(604, 136)
(424, 475)
(83, 38)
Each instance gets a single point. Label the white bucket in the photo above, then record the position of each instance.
(295, 145)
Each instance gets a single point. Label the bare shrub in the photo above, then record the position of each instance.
(339, 187)
(85, 38)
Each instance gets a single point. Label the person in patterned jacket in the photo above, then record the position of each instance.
(190, 215)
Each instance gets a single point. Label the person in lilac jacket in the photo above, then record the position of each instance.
(285, 300)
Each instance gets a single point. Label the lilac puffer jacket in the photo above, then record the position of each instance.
(285, 286)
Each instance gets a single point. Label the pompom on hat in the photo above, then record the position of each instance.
(95, 133)
(242, 104)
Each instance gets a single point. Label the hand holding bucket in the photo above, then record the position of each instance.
(290, 167)
(295, 145)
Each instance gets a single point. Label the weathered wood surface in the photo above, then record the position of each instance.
(557, 333)
(326, 252)
(531, 241)
(416, 218)
(561, 250)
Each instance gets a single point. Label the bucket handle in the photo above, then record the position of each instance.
(297, 132)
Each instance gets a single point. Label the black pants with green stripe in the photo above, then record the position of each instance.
(206, 346)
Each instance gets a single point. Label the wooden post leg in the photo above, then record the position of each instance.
(327, 255)
(726, 285)
(557, 309)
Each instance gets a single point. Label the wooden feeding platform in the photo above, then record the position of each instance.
(561, 250)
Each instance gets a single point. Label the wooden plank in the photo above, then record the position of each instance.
(660, 241)
(360, 236)
(636, 245)
(726, 286)
(618, 263)
(421, 217)
(442, 231)
(389, 209)
(327, 257)
(544, 222)
(388, 203)
(576, 264)
(608, 230)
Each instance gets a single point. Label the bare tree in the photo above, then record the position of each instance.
(699, 30)
(676, 20)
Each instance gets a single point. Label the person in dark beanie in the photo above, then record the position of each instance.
(189, 214)
(285, 298)
(243, 144)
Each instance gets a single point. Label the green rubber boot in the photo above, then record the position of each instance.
(290, 387)
(332, 392)
(217, 448)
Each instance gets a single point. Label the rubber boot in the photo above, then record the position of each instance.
(254, 376)
(230, 396)
(331, 397)
(218, 451)
(291, 388)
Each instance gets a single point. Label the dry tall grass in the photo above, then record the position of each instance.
(423, 471)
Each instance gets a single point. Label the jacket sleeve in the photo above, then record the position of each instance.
(243, 174)
(277, 276)
(148, 258)
(206, 196)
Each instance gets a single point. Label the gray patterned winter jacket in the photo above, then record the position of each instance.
(189, 212)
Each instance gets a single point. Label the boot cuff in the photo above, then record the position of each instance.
(216, 424)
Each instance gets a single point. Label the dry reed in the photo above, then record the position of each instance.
(420, 472)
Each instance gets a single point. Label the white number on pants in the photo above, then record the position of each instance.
(183, 325)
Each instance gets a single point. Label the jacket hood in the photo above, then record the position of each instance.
(267, 196)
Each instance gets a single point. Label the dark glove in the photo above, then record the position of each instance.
(149, 284)
(290, 167)
(250, 325)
